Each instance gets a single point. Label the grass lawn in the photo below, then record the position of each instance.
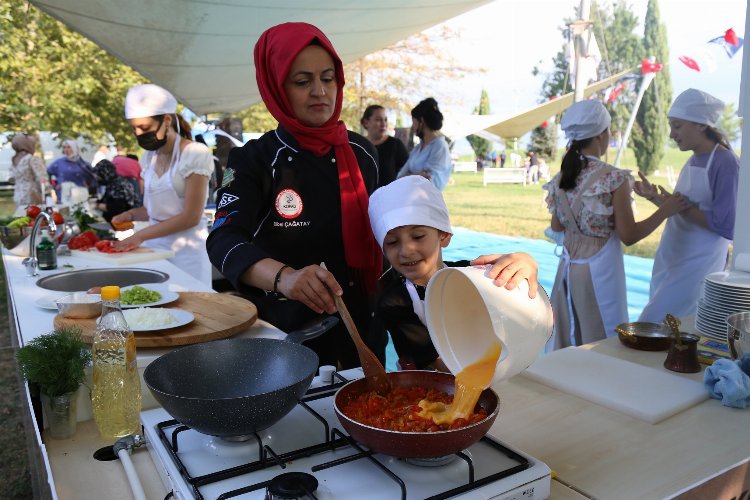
(14, 467)
(516, 210)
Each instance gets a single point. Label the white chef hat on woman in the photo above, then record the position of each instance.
(148, 100)
(585, 119)
(697, 106)
(410, 200)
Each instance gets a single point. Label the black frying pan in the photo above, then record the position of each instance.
(235, 387)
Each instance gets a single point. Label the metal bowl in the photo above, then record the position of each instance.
(644, 336)
(12, 237)
(80, 305)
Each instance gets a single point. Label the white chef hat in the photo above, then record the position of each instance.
(410, 200)
(148, 100)
(585, 119)
(697, 106)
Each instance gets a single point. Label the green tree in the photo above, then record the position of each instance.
(650, 130)
(730, 123)
(380, 78)
(621, 49)
(256, 118)
(482, 147)
(56, 80)
(544, 141)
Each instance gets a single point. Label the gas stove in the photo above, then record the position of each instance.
(307, 455)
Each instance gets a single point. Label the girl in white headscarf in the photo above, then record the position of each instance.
(696, 241)
(27, 172)
(176, 173)
(590, 201)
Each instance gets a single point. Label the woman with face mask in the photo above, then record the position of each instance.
(297, 197)
(431, 158)
(392, 153)
(71, 168)
(696, 241)
(175, 173)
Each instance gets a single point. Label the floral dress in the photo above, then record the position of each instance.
(589, 297)
(28, 174)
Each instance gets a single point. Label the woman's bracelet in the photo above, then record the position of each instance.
(277, 278)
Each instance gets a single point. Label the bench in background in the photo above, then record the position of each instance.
(465, 166)
(505, 175)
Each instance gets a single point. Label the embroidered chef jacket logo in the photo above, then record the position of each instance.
(227, 178)
(289, 204)
(226, 199)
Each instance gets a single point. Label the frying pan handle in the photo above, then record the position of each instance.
(313, 331)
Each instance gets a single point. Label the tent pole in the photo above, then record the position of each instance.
(647, 78)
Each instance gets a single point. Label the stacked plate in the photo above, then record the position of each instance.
(724, 293)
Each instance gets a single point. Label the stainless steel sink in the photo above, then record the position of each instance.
(80, 281)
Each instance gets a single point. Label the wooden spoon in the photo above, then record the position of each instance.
(377, 380)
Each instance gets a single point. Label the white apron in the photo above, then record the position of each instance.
(607, 273)
(189, 245)
(687, 252)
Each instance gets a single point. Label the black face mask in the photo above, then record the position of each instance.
(148, 140)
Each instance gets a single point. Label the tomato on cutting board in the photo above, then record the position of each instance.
(106, 246)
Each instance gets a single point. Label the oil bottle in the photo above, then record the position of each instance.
(116, 393)
(45, 252)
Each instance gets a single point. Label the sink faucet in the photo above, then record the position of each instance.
(30, 262)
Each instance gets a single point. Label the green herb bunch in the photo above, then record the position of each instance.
(55, 361)
(83, 218)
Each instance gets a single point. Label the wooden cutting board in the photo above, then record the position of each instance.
(217, 316)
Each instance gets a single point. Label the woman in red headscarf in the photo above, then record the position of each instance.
(298, 196)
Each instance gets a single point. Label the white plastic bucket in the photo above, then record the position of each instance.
(466, 312)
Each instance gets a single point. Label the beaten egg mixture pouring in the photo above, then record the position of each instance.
(470, 382)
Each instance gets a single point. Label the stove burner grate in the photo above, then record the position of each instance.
(333, 439)
(292, 485)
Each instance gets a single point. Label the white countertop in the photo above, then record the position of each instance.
(593, 450)
(32, 320)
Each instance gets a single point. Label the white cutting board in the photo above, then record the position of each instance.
(639, 391)
(141, 254)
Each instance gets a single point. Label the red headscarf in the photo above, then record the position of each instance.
(274, 54)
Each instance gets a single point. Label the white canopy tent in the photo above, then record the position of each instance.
(494, 127)
(202, 50)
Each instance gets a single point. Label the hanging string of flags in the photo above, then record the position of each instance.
(704, 60)
(647, 66)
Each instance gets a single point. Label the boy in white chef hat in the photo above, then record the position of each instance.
(410, 221)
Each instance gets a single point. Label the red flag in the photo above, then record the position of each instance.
(689, 62)
(650, 67)
(613, 95)
(731, 37)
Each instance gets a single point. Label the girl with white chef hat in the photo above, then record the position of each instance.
(176, 174)
(590, 201)
(696, 241)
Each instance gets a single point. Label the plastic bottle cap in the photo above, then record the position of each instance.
(110, 292)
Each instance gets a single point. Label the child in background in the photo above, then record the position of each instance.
(410, 221)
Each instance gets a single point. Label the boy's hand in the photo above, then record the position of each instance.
(509, 269)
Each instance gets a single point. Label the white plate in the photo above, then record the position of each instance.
(734, 279)
(180, 318)
(167, 295)
(48, 301)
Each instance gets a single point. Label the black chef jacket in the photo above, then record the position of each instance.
(279, 201)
